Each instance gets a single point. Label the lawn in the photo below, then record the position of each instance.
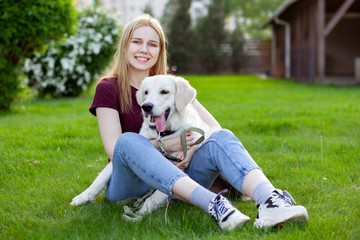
(306, 138)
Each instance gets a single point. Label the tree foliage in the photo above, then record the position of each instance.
(251, 14)
(26, 26)
(168, 13)
(148, 9)
(180, 37)
(237, 42)
(210, 34)
(205, 45)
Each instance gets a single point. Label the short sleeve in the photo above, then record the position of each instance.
(105, 96)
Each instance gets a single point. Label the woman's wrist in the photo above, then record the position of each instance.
(154, 143)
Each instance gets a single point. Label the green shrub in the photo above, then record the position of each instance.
(9, 84)
(26, 26)
(68, 67)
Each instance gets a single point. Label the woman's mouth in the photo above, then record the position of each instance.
(142, 59)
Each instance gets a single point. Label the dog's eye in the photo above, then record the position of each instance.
(146, 92)
(163, 92)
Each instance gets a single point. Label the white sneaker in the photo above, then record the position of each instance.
(278, 209)
(226, 215)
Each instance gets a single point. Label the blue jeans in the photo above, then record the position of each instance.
(138, 165)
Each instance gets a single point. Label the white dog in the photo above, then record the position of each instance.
(166, 105)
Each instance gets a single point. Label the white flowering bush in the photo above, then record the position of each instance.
(67, 68)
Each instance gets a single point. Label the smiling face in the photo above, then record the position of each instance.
(144, 49)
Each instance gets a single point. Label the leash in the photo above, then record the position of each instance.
(168, 155)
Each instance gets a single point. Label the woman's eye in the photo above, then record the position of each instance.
(153, 45)
(163, 92)
(136, 42)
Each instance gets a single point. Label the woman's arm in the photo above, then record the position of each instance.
(110, 128)
(207, 117)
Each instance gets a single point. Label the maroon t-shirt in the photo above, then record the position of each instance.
(107, 95)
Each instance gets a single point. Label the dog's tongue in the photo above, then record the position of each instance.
(160, 123)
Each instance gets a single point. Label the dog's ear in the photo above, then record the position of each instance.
(140, 96)
(185, 93)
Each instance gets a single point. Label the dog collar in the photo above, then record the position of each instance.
(166, 133)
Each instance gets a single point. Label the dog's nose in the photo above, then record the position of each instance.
(147, 107)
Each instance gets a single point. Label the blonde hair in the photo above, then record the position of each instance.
(120, 65)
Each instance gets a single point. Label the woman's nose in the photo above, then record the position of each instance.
(143, 48)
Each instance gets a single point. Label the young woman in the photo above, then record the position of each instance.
(138, 165)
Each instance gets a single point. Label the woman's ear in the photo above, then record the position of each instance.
(185, 93)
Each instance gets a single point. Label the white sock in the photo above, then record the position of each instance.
(201, 197)
(262, 192)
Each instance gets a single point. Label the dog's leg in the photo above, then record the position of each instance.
(95, 188)
(155, 201)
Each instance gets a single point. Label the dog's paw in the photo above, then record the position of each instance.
(155, 201)
(83, 198)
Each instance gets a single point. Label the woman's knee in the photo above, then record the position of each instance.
(127, 144)
(223, 135)
(128, 139)
(225, 138)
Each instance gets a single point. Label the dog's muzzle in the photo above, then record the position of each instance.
(147, 108)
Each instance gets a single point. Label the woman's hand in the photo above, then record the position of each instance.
(174, 144)
(185, 163)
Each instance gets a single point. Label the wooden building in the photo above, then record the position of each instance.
(316, 41)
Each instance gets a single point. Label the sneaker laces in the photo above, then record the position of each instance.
(286, 196)
(219, 205)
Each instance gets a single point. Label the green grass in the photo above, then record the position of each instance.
(306, 138)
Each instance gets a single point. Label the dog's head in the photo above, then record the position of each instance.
(161, 97)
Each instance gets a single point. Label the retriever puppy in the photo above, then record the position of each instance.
(166, 106)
